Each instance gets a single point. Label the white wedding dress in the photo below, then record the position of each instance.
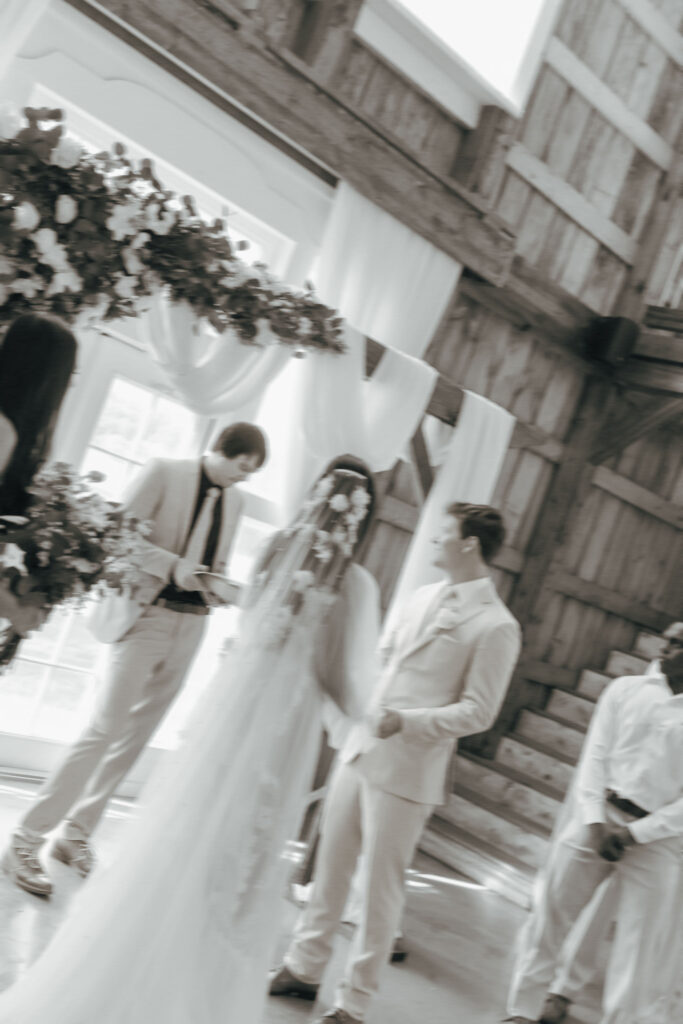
(180, 929)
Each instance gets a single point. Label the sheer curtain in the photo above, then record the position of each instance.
(393, 286)
(469, 472)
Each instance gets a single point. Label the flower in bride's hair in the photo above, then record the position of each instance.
(339, 502)
(302, 580)
(323, 488)
(360, 499)
(338, 535)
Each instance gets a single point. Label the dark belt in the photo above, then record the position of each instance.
(627, 806)
(180, 606)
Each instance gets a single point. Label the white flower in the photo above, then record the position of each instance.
(12, 557)
(159, 221)
(139, 241)
(85, 567)
(338, 535)
(66, 153)
(26, 217)
(132, 261)
(323, 554)
(125, 287)
(43, 558)
(64, 281)
(29, 287)
(51, 251)
(10, 122)
(360, 498)
(323, 489)
(66, 209)
(123, 221)
(446, 619)
(339, 502)
(302, 580)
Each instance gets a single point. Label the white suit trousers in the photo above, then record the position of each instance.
(644, 879)
(146, 670)
(358, 819)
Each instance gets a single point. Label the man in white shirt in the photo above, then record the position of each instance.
(452, 656)
(624, 818)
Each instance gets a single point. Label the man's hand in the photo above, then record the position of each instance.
(184, 574)
(387, 723)
(614, 844)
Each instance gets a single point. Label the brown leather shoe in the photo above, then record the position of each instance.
(76, 853)
(20, 861)
(338, 1016)
(284, 983)
(555, 1009)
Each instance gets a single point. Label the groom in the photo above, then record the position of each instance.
(449, 664)
(193, 510)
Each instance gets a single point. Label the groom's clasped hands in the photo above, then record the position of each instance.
(385, 723)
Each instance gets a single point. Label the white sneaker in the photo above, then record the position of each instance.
(76, 853)
(20, 861)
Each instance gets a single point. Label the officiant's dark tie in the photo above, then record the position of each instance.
(196, 543)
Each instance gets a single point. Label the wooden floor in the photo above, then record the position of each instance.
(459, 934)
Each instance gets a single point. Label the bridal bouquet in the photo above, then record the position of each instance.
(69, 542)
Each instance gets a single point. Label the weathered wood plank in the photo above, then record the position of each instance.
(608, 600)
(656, 26)
(546, 104)
(666, 347)
(628, 427)
(664, 318)
(627, 490)
(282, 90)
(424, 475)
(609, 104)
(571, 202)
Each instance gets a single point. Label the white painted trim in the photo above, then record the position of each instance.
(557, 191)
(402, 39)
(580, 77)
(656, 26)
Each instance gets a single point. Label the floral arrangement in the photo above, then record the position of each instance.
(69, 542)
(92, 233)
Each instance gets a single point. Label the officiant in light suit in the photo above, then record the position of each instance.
(193, 509)
(447, 670)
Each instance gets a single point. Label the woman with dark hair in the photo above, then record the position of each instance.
(187, 915)
(37, 358)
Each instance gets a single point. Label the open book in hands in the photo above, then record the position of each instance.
(219, 590)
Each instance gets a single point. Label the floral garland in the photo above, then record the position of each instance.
(91, 233)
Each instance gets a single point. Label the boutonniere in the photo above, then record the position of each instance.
(446, 619)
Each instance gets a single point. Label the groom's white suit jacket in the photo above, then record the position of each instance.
(163, 494)
(447, 672)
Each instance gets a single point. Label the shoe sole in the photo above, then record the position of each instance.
(8, 866)
(295, 993)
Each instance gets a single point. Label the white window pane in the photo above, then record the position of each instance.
(117, 472)
(171, 430)
(63, 708)
(118, 425)
(20, 686)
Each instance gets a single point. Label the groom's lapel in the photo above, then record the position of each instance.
(424, 612)
(428, 628)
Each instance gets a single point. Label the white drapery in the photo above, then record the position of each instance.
(469, 473)
(214, 374)
(391, 285)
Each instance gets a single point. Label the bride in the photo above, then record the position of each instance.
(180, 928)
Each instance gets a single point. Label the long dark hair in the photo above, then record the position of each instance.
(37, 358)
(356, 465)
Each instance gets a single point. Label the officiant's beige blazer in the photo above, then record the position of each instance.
(447, 673)
(164, 495)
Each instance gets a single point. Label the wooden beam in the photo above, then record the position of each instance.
(534, 439)
(631, 425)
(195, 42)
(607, 600)
(627, 490)
(651, 376)
(603, 99)
(422, 470)
(398, 513)
(563, 195)
(666, 348)
(664, 318)
(332, 34)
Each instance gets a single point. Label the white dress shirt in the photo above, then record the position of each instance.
(635, 747)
